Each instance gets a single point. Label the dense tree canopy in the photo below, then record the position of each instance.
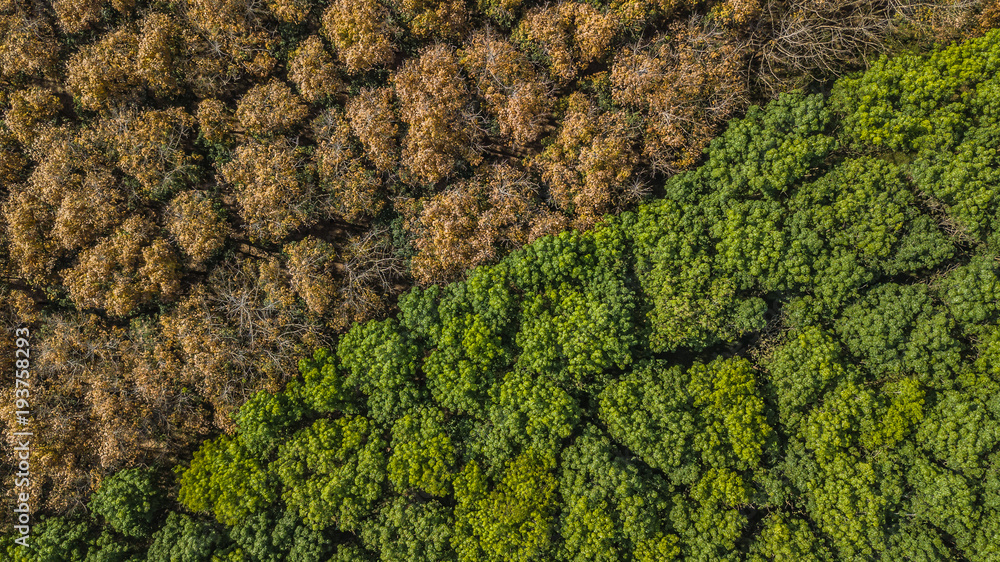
(790, 356)
(196, 193)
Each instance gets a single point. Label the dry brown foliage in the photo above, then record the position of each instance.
(374, 122)
(129, 268)
(442, 19)
(572, 35)
(290, 11)
(152, 147)
(354, 191)
(103, 72)
(361, 32)
(270, 109)
(30, 110)
(312, 271)
(156, 56)
(516, 96)
(591, 163)
(271, 190)
(28, 45)
(196, 226)
(434, 103)
(686, 85)
(313, 71)
(77, 15)
(472, 223)
(216, 123)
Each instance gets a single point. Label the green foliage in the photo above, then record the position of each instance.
(527, 412)
(788, 538)
(512, 521)
(801, 370)
(129, 501)
(333, 471)
(960, 431)
(226, 479)
(185, 539)
(896, 329)
(943, 107)
(735, 432)
(972, 292)
(652, 414)
(692, 302)
(612, 510)
(405, 531)
(667, 417)
(462, 368)
(270, 537)
(422, 453)
(265, 420)
(58, 539)
(324, 387)
(389, 381)
(764, 154)
(848, 505)
(574, 336)
(707, 519)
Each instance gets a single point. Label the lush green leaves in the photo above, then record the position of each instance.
(333, 471)
(129, 501)
(226, 479)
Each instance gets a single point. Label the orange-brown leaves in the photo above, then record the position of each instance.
(433, 101)
(989, 17)
(88, 210)
(445, 19)
(503, 12)
(102, 73)
(196, 226)
(29, 109)
(155, 56)
(686, 87)
(224, 39)
(77, 15)
(124, 270)
(223, 18)
(12, 160)
(572, 35)
(373, 120)
(273, 197)
(471, 224)
(29, 220)
(355, 192)
(151, 147)
(290, 11)
(737, 12)
(215, 121)
(270, 109)
(113, 70)
(240, 331)
(361, 32)
(71, 199)
(590, 166)
(311, 266)
(515, 95)
(27, 44)
(313, 71)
